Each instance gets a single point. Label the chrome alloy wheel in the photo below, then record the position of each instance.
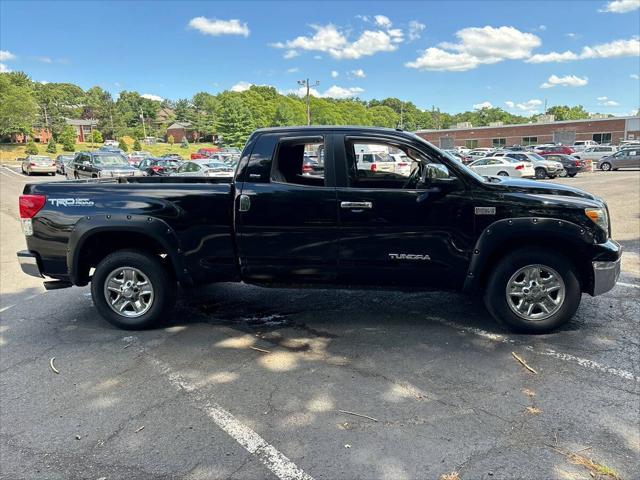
(128, 292)
(535, 292)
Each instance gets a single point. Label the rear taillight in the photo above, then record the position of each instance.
(577, 163)
(403, 164)
(306, 169)
(30, 205)
(156, 168)
(520, 167)
(374, 167)
(31, 164)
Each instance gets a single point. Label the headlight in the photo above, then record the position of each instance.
(599, 217)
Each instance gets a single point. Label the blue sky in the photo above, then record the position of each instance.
(454, 55)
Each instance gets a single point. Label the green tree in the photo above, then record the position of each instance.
(564, 112)
(51, 146)
(99, 105)
(383, 116)
(18, 107)
(68, 138)
(184, 143)
(96, 137)
(136, 145)
(289, 112)
(32, 148)
(122, 145)
(235, 120)
(171, 140)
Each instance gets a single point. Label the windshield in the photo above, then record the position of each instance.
(109, 160)
(535, 156)
(217, 165)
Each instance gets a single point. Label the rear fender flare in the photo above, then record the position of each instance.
(152, 227)
(529, 228)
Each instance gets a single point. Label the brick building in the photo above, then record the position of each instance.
(180, 130)
(602, 130)
(82, 127)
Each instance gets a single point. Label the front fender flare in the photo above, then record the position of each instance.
(529, 228)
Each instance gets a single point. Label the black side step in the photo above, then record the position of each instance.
(56, 284)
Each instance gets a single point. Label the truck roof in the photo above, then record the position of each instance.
(313, 128)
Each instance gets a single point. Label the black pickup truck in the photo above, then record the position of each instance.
(531, 248)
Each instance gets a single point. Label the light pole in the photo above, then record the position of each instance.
(305, 83)
(144, 130)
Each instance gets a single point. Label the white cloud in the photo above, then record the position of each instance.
(607, 102)
(358, 73)
(215, 27)
(572, 35)
(329, 39)
(477, 46)
(4, 68)
(151, 96)
(415, 30)
(43, 59)
(241, 86)
(293, 70)
(621, 6)
(341, 92)
(530, 106)
(290, 54)
(616, 48)
(480, 106)
(332, 92)
(334, 74)
(6, 55)
(566, 81)
(382, 21)
(635, 76)
(542, 28)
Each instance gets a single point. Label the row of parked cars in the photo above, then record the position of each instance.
(573, 158)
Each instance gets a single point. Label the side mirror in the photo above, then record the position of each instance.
(86, 162)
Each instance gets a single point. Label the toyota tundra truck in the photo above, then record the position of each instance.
(530, 248)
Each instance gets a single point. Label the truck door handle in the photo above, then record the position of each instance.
(356, 205)
(244, 203)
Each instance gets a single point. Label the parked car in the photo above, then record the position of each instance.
(38, 164)
(403, 163)
(531, 248)
(543, 168)
(375, 162)
(110, 149)
(503, 167)
(205, 153)
(563, 149)
(204, 168)
(134, 158)
(100, 164)
(111, 143)
(627, 158)
(62, 161)
(173, 156)
(311, 166)
(479, 153)
(581, 145)
(595, 153)
(572, 165)
(159, 166)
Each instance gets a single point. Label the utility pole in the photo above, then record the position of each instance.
(144, 130)
(305, 83)
(545, 106)
(401, 116)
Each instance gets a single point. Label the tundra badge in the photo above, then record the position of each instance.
(408, 256)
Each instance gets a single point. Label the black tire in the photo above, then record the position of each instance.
(495, 297)
(571, 174)
(605, 166)
(541, 173)
(503, 174)
(164, 288)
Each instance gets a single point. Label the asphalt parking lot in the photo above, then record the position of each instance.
(255, 383)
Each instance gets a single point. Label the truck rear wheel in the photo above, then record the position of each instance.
(541, 173)
(132, 289)
(533, 290)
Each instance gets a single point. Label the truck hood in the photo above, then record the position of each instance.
(534, 187)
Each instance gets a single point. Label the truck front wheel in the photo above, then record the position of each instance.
(132, 289)
(533, 290)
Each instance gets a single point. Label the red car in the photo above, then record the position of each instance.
(204, 153)
(561, 149)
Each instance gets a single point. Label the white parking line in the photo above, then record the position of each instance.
(5, 168)
(274, 460)
(583, 362)
(630, 285)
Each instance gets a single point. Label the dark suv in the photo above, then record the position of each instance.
(100, 164)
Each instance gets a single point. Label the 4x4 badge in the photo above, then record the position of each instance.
(485, 210)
